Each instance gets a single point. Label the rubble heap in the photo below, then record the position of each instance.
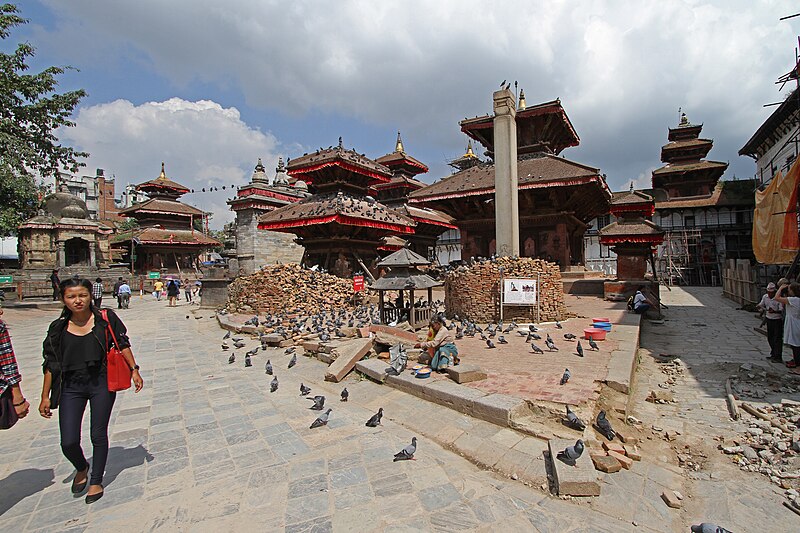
(289, 288)
(474, 291)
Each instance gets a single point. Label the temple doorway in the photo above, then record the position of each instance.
(76, 251)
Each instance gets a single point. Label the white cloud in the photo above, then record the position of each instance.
(622, 69)
(202, 144)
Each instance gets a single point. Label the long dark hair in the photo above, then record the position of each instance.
(73, 282)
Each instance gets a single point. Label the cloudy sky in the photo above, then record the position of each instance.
(210, 86)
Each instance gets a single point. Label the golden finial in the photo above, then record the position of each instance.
(163, 174)
(399, 146)
(684, 120)
(470, 153)
(522, 105)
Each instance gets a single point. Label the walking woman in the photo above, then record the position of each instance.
(172, 293)
(75, 372)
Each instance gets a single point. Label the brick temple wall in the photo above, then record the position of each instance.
(474, 292)
(256, 248)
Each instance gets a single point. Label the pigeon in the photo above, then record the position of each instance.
(319, 403)
(227, 336)
(570, 454)
(502, 340)
(345, 395)
(549, 338)
(592, 344)
(708, 527)
(304, 390)
(375, 420)
(569, 336)
(535, 348)
(239, 344)
(322, 420)
(290, 350)
(550, 345)
(252, 352)
(247, 361)
(573, 421)
(565, 377)
(273, 386)
(579, 349)
(605, 426)
(523, 333)
(408, 452)
(489, 343)
(237, 339)
(225, 347)
(268, 367)
(558, 325)
(292, 361)
(536, 336)
(232, 359)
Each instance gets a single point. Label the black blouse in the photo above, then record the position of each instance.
(81, 352)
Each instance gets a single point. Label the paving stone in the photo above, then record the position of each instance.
(606, 463)
(578, 480)
(349, 354)
(438, 497)
(373, 368)
(466, 373)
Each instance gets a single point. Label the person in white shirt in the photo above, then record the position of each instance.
(641, 303)
(789, 296)
(773, 316)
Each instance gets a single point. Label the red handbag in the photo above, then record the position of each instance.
(117, 369)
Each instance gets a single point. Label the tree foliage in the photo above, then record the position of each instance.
(31, 111)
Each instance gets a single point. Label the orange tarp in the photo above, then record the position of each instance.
(775, 238)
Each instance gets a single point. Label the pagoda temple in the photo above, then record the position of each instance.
(394, 194)
(686, 173)
(166, 240)
(633, 238)
(340, 226)
(254, 247)
(557, 197)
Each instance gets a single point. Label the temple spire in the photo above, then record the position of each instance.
(399, 146)
(469, 152)
(163, 174)
(522, 105)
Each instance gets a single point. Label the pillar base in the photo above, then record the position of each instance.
(621, 290)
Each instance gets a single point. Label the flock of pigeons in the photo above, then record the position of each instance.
(406, 453)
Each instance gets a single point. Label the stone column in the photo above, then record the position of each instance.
(506, 201)
(61, 255)
(93, 254)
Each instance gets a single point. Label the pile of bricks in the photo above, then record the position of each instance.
(289, 288)
(615, 455)
(474, 292)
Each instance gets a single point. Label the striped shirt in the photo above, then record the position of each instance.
(9, 371)
(97, 290)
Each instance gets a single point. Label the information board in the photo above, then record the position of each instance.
(358, 283)
(6, 279)
(520, 291)
(154, 275)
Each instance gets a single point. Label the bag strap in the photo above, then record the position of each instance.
(104, 313)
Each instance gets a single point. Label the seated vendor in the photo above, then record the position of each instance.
(445, 352)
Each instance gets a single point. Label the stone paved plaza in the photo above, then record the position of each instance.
(206, 447)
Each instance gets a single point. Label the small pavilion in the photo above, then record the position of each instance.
(404, 275)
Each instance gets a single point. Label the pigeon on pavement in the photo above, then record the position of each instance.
(565, 377)
(502, 340)
(408, 452)
(579, 349)
(225, 346)
(227, 336)
(268, 367)
(569, 336)
(558, 325)
(573, 421)
(489, 343)
(322, 420)
(292, 361)
(605, 426)
(592, 344)
(536, 349)
(319, 403)
(273, 386)
(239, 344)
(570, 454)
(304, 390)
(708, 527)
(232, 359)
(551, 345)
(375, 420)
(247, 361)
(345, 395)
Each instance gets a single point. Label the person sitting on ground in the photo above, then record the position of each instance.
(641, 303)
(789, 296)
(446, 353)
(773, 316)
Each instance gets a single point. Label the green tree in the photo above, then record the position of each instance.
(30, 113)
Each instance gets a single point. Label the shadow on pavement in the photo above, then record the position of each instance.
(23, 483)
(120, 458)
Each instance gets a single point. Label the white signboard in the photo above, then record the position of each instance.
(520, 291)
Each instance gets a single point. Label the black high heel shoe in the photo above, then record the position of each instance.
(78, 488)
(91, 498)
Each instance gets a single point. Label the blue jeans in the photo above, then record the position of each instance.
(641, 309)
(74, 396)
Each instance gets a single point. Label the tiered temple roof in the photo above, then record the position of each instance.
(632, 226)
(263, 193)
(686, 173)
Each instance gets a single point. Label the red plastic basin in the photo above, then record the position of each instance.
(601, 320)
(596, 334)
